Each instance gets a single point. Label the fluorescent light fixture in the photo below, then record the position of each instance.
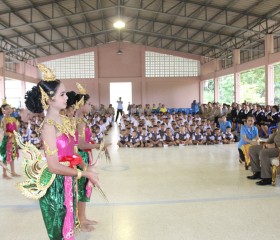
(119, 52)
(119, 24)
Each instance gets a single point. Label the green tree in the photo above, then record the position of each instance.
(226, 89)
(277, 83)
(208, 91)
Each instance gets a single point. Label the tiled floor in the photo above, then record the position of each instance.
(175, 193)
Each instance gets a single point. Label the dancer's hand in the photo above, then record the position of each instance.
(92, 176)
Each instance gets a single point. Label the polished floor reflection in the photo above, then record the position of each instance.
(175, 193)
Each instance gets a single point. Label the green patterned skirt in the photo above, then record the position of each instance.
(60, 222)
(82, 182)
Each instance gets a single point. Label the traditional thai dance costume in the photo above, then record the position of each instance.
(84, 186)
(8, 146)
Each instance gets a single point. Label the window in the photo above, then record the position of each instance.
(252, 86)
(163, 65)
(13, 92)
(78, 66)
(226, 89)
(208, 91)
(277, 83)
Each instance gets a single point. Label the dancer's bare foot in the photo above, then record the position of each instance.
(14, 174)
(87, 228)
(5, 176)
(89, 222)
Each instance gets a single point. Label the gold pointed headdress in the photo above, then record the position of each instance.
(4, 101)
(81, 89)
(47, 74)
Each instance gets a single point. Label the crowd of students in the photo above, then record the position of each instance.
(212, 123)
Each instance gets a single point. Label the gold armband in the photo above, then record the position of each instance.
(48, 151)
(79, 173)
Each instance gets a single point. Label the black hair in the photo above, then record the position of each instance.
(34, 96)
(276, 108)
(249, 115)
(71, 98)
(79, 97)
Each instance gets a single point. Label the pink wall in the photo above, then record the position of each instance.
(173, 92)
(129, 67)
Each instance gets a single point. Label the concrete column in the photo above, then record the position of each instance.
(269, 70)
(2, 76)
(236, 62)
(216, 89)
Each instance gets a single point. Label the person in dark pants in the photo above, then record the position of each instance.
(119, 108)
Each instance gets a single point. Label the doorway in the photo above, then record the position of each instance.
(123, 90)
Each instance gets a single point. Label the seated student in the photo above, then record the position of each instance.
(224, 124)
(259, 117)
(162, 130)
(35, 140)
(94, 138)
(155, 137)
(168, 138)
(182, 137)
(271, 120)
(192, 130)
(134, 140)
(145, 139)
(99, 134)
(102, 127)
(228, 136)
(123, 139)
(24, 135)
(197, 137)
(218, 138)
(208, 137)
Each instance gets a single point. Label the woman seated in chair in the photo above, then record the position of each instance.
(248, 136)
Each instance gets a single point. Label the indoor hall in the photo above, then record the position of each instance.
(170, 52)
(191, 192)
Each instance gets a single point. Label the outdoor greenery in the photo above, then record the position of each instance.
(252, 87)
(226, 89)
(277, 84)
(208, 91)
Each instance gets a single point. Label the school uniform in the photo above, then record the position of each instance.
(209, 138)
(123, 139)
(25, 138)
(197, 137)
(134, 140)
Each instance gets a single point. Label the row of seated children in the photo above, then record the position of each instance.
(141, 137)
(31, 138)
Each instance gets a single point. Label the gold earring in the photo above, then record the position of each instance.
(44, 98)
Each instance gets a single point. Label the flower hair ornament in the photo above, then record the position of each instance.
(47, 76)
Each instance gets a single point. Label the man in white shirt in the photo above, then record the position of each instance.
(119, 108)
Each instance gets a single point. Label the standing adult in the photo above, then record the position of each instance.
(195, 108)
(119, 108)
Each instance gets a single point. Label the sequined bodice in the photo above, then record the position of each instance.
(10, 127)
(87, 134)
(65, 145)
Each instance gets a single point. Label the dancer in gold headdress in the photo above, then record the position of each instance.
(53, 183)
(8, 146)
